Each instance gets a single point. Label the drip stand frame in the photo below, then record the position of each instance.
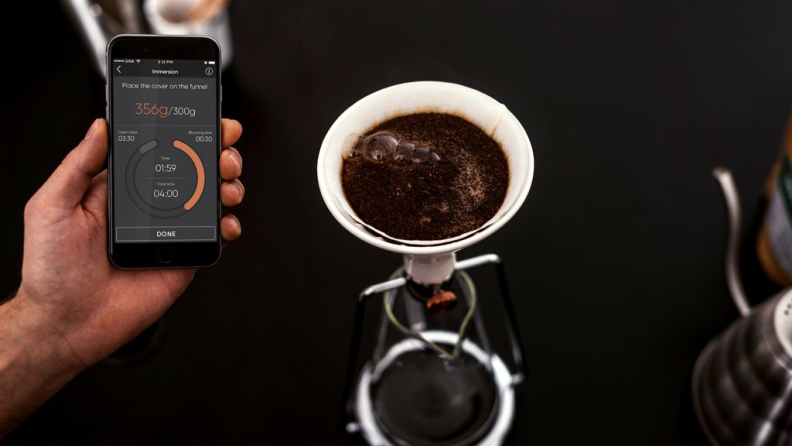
(346, 420)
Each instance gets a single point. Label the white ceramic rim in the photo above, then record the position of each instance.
(406, 90)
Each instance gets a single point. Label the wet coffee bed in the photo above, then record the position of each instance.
(425, 176)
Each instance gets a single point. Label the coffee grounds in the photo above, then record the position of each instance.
(425, 201)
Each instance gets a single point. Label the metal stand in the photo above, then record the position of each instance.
(347, 420)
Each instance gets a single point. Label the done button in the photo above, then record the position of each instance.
(165, 234)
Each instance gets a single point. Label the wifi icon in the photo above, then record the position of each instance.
(138, 60)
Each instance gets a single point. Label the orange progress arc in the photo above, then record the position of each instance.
(199, 187)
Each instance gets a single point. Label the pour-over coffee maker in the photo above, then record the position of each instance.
(432, 376)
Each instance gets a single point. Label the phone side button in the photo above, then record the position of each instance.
(165, 254)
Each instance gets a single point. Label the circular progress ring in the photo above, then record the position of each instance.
(134, 160)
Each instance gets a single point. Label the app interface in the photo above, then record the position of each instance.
(165, 147)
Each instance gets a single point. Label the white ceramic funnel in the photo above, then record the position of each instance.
(425, 261)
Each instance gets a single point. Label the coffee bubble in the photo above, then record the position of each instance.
(355, 143)
(420, 154)
(380, 146)
(385, 146)
(404, 150)
(358, 149)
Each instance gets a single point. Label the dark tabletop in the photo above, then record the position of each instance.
(615, 259)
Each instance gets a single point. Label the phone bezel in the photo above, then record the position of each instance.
(145, 255)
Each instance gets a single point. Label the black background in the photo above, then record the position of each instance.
(615, 258)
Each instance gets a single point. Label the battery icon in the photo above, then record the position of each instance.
(211, 62)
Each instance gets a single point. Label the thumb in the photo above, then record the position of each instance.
(66, 187)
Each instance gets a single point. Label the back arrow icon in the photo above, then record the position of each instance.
(119, 69)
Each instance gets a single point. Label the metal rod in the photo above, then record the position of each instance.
(473, 262)
(383, 287)
(349, 379)
(518, 352)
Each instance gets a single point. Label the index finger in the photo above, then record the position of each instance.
(231, 131)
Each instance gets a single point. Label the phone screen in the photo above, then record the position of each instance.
(165, 140)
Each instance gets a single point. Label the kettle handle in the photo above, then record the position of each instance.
(733, 279)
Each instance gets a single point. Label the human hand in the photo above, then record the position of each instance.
(66, 274)
(73, 305)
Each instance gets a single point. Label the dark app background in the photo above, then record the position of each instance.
(163, 196)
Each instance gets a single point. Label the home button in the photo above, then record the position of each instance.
(165, 254)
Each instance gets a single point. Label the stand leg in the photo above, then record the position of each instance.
(349, 380)
(518, 353)
(346, 418)
(514, 333)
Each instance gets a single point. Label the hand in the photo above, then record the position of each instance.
(73, 306)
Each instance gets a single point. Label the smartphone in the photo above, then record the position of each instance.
(163, 110)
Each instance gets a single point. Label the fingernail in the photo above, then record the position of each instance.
(92, 129)
(239, 189)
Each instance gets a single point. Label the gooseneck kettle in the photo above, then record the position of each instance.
(742, 381)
